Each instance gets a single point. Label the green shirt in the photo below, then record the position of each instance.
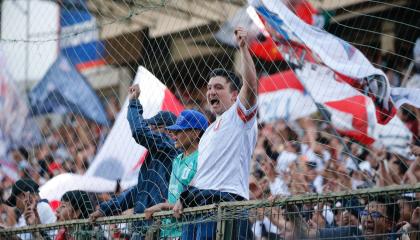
(183, 171)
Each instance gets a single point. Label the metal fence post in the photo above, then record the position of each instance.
(220, 223)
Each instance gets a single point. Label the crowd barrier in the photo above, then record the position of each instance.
(294, 217)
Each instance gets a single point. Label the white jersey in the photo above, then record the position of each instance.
(225, 151)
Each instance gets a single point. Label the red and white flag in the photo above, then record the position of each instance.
(120, 156)
(328, 50)
(284, 96)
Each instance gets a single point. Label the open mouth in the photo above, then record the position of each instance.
(214, 102)
(369, 229)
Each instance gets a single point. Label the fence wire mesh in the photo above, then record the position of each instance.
(384, 213)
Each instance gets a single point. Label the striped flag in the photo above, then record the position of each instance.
(284, 95)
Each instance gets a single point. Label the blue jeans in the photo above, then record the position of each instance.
(205, 229)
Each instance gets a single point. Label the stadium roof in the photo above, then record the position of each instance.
(164, 17)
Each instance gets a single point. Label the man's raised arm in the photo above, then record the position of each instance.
(249, 90)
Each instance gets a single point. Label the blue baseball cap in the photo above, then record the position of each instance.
(165, 118)
(190, 119)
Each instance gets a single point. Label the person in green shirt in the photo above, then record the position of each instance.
(187, 131)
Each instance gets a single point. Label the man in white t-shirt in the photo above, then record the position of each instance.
(226, 147)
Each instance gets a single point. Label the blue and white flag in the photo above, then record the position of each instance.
(16, 128)
(79, 40)
(334, 52)
(63, 90)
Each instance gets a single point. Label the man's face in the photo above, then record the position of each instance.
(184, 139)
(376, 223)
(16, 156)
(20, 201)
(219, 95)
(158, 128)
(267, 166)
(66, 212)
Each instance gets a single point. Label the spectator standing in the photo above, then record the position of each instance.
(187, 131)
(226, 148)
(152, 187)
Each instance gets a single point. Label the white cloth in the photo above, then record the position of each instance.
(284, 160)
(414, 81)
(279, 187)
(225, 151)
(270, 227)
(318, 183)
(313, 157)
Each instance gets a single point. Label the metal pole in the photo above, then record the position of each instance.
(407, 74)
(28, 15)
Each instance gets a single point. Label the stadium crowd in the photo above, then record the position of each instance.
(288, 159)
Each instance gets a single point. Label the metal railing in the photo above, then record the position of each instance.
(294, 217)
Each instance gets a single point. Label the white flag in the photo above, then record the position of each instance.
(120, 156)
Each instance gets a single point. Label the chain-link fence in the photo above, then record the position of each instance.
(381, 213)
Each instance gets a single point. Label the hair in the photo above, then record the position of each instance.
(231, 77)
(391, 206)
(24, 152)
(401, 161)
(79, 200)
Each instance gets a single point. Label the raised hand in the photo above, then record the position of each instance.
(241, 37)
(134, 91)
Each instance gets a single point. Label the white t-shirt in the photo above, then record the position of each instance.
(279, 187)
(225, 151)
(284, 160)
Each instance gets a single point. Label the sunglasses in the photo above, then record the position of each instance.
(373, 214)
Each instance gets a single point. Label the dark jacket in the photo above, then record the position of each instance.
(154, 175)
(348, 233)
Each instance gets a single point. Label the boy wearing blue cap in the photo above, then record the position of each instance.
(187, 131)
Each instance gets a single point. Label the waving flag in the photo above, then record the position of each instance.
(63, 89)
(55, 188)
(283, 96)
(79, 39)
(120, 156)
(261, 44)
(329, 50)
(16, 127)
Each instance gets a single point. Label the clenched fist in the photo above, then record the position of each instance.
(134, 92)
